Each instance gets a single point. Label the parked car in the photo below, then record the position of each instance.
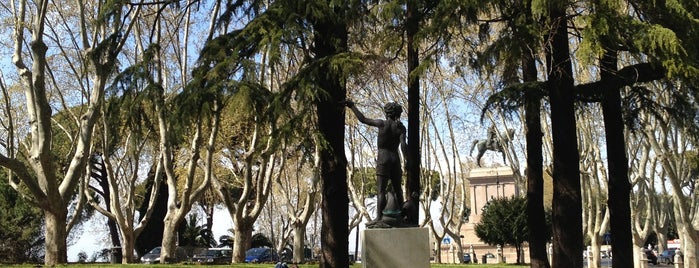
(153, 256)
(467, 258)
(259, 255)
(668, 256)
(214, 256)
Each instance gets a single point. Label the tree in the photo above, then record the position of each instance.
(152, 234)
(260, 240)
(98, 173)
(606, 36)
(593, 180)
(20, 227)
(183, 114)
(451, 169)
(330, 42)
(504, 222)
(319, 86)
(119, 160)
(567, 204)
(672, 150)
(20, 221)
(49, 184)
(252, 164)
(299, 195)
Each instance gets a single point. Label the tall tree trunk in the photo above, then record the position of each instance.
(170, 235)
(56, 235)
(567, 201)
(330, 40)
(535, 174)
(413, 167)
(619, 198)
(242, 240)
(299, 238)
(689, 237)
(127, 249)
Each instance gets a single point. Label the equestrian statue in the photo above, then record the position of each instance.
(492, 143)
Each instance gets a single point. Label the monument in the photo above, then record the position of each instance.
(391, 136)
(494, 142)
(486, 184)
(384, 246)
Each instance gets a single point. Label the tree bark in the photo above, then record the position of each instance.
(127, 247)
(567, 204)
(56, 235)
(619, 189)
(242, 240)
(413, 166)
(169, 242)
(299, 239)
(330, 40)
(535, 174)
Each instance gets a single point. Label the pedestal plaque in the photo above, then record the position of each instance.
(396, 247)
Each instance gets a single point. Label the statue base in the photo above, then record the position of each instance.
(396, 247)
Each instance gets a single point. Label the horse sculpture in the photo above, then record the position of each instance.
(494, 145)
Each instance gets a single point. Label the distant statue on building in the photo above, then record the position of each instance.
(391, 136)
(493, 142)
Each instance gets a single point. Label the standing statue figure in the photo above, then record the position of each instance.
(388, 165)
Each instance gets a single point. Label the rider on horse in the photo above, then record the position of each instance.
(492, 141)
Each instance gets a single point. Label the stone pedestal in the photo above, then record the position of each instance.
(396, 247)
(486, 184)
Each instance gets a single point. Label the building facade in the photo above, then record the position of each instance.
(485, 184)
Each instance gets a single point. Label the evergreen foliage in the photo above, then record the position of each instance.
(504, 222)
(21, 236)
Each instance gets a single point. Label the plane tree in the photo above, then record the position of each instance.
(504, 222)
(251, 160)
(97, 32)
(184, 116)
(593, 180)
(294, 199)
(670, 151)
(118, 161)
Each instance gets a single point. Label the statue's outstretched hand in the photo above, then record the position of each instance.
(349, 103)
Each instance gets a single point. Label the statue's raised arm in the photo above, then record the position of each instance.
(360, 116)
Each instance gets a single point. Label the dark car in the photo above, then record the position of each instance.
(255, 255)
(650, 255)
(467, 258)
(214, 256)
(153, 256)
(668, 256)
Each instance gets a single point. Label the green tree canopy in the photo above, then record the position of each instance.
(20, 226)
(504, 222)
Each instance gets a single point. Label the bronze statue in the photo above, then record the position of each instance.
(493, 143)
(388, 163)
